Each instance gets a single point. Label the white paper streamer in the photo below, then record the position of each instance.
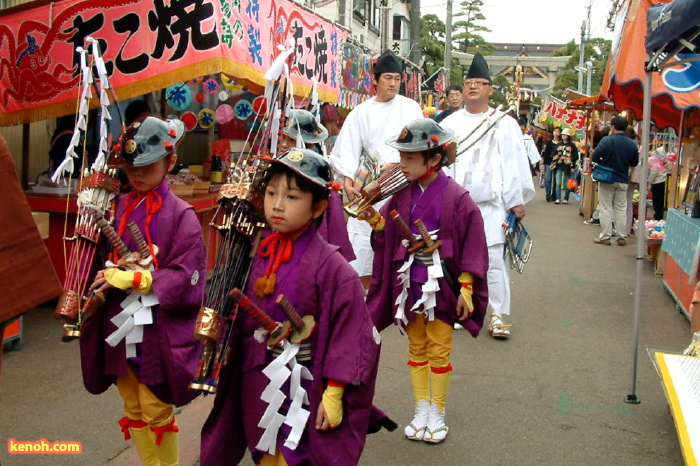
(136, 313)
(429, 289)
(297, 417)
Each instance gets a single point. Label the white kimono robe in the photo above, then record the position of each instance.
(497, 175)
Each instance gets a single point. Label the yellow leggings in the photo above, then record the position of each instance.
(273, 460)
(429, 341)
(140, 402)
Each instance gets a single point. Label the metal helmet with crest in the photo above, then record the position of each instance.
(145, 141)
(308, 164)
(304, 122)
(425, 134)
(421, 135)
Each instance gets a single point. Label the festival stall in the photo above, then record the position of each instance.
(208, 63)
(665, 98)
(672, 44)
(671, 40)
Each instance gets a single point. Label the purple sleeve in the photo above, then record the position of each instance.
(473, 258)
(380, 296)
(180, 280)
(351, 353)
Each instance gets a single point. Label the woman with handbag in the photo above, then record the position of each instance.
(565, 160)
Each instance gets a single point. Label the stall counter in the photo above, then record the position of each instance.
(58, 205)
(679, 245)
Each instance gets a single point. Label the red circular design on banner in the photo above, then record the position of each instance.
(190, 120)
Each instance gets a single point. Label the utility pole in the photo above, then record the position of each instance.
(448, 40)
(589, 70)
(415, 31)
(581, 56)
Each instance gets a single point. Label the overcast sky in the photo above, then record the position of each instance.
(533, 21)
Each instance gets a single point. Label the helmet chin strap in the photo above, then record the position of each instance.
(427, 174)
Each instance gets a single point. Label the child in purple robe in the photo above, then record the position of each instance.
(428, 288)
(308, 399)
(142, 337)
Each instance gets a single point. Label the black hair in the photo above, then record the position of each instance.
(430, 153)
(318, 193)
(619, 123)
(454, 87)
(134, 110)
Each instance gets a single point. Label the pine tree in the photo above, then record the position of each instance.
(466, 31)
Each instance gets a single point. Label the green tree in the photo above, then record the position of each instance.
(466, 31)
(568, 78)
(432, 43)
(501, 88)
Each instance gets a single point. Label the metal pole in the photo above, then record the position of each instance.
(415, 32)
(641, 233)
(448, 40)
(581, 56)
(589, 69)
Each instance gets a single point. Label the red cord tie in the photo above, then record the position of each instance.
(125, 423)
(159, 431)
(278, 247)
(417, 363)
(441, 370)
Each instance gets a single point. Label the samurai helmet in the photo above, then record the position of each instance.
(308, 164)
(421, 135)
(304, 122)
(145, 141)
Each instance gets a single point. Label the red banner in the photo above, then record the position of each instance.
(148, 45)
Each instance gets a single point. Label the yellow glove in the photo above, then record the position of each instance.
(466, 291)
(127, 279)
(333, 403)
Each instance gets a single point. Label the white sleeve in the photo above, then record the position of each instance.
(345, 156)
(532, 153)
(517, 178)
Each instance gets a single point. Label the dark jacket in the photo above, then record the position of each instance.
(618, 152)
(549, 151)
(566, 156)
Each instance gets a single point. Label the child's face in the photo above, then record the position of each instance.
(287, 208)
(147, 177)
(413, 164)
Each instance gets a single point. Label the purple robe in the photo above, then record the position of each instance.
(169, 352)
(344, 347)
(448, 206)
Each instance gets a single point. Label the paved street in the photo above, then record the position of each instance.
(551, 395)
